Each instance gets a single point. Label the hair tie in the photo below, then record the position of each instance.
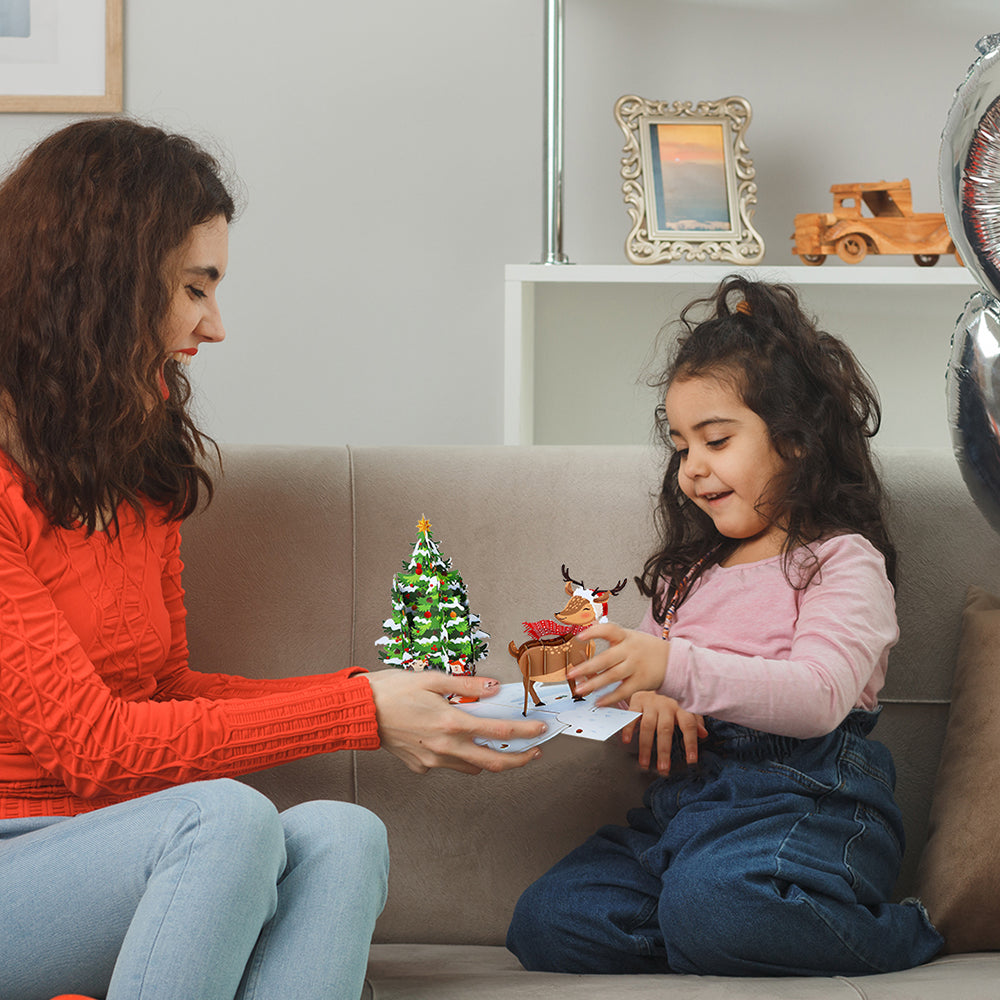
(743, 307)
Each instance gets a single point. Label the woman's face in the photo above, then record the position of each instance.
(194, 317)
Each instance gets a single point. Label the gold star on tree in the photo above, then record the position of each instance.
(423, 525)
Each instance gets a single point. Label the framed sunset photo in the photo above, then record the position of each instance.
(688, 181)
(686, 164)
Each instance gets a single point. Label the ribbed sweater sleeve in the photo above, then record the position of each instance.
(99, 745)
(133, 720)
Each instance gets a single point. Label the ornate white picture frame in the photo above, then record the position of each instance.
(688, 181)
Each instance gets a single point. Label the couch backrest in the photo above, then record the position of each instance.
(289, 572)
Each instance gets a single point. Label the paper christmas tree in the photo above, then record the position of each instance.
(431, 627)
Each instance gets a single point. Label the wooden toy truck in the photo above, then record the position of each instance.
(892, 227)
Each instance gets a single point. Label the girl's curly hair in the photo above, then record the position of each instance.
(820, 408)
(89, 221)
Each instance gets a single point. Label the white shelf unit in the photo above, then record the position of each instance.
(522, 338)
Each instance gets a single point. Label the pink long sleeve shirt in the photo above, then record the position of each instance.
(746, 647)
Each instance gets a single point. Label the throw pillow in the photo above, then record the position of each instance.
(959, 873)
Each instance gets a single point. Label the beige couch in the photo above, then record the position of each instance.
(289, 572)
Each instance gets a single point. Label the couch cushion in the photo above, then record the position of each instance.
(464, 849)
(959, 874)
(468, 972)
(270, 586)
(944, 545)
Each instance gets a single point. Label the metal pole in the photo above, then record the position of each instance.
(552, 234)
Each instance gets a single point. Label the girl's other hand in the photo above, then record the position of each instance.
(637, 661)
(417, 724)
(660, 716)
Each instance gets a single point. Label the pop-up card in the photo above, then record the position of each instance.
(554, 645)
(563, 712)
(431, 626)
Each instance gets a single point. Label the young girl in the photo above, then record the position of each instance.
(771, 620)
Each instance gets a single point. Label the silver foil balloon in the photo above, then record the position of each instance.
(974, 401)
(969, 167)
(969, 175)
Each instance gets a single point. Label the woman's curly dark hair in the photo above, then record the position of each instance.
(820, 408)
(89, 221)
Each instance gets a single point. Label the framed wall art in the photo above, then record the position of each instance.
(61, 55)
(688, 181)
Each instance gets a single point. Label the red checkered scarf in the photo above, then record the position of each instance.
(548, 627)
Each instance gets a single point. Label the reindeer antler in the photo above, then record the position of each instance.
(622, 584)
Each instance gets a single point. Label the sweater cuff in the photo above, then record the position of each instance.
(338, 713)
(673, 685)
(352, 682)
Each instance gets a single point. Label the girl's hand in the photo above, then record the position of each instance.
(660, 716)
(636, 660)
(417, 724)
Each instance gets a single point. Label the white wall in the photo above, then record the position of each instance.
(842, 90)
(391, 153)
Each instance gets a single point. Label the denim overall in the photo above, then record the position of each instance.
(770, 856)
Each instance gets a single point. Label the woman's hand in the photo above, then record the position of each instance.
(417, 724)
(660, 716)
(637, 661)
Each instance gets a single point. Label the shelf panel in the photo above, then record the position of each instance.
(708, 274)
(886, 282)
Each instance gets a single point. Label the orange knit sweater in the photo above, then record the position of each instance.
(97, 702)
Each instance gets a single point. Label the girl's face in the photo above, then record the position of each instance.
(728, 464)
(199, 265)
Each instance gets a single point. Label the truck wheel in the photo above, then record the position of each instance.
(852, 248)
(925, 259)
(813, 259)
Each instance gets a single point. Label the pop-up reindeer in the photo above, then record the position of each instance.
(545, 660)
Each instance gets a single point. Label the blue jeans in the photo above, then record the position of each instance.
(201, 891)
(773, 856)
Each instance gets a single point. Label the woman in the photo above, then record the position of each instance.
(132, 866)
